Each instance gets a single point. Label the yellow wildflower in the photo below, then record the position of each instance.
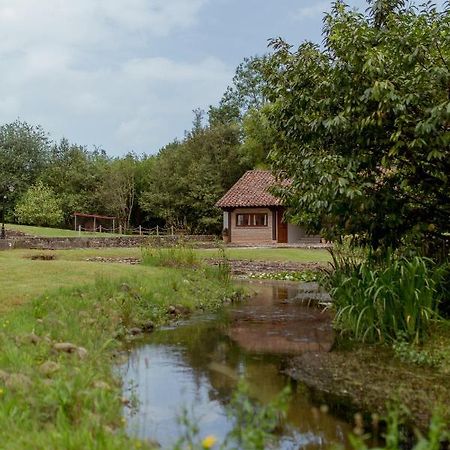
(209, 441)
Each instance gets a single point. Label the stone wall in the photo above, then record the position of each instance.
(61, 243)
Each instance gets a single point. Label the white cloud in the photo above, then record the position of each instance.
(80, 68)
(312, 11)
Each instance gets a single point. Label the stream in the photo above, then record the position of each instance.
(196, 366)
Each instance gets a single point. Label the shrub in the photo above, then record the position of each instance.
(39, 206)
(398, 299)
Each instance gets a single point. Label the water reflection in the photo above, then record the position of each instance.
(197, 365)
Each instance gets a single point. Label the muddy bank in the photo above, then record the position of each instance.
(365, 379)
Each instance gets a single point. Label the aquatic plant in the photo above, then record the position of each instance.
(396, 439)
(303, 276)
(398, 299)
(254, 425)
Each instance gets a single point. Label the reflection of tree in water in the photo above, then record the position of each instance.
(216, 361)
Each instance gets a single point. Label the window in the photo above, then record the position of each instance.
(251, 220)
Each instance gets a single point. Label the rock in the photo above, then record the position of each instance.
(135, 331)
(65, 347)
(17, 381)
(49, 368)
(33, 338)
(39, 321)
(81, 352)
(172, 310)
(182, 310)
(148, 327)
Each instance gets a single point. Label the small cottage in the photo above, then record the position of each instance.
(252, 215)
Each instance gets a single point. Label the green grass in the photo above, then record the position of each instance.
(52, 399)
(300, 255)
(52, 232)
(22, 279)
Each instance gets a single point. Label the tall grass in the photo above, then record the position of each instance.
(395, 300)
(179, 255)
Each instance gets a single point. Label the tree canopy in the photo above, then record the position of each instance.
(363, 124)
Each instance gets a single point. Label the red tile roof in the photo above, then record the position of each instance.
(251, 190)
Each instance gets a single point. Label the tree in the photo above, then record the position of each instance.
(364, 125)
(24, 153)
(246, 93)
(76, 174)
(185, 179)
(118, 189)
(39, 206)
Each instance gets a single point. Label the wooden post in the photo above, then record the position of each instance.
(75, 221)
(114, 225)
(140, 230)
(157, 230)
(79, 230)
(95, 224)
(120, 229)
(100, 227)
(171, 228)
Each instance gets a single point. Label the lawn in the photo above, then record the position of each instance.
(254, 254)
(22, 279)
(51, 232)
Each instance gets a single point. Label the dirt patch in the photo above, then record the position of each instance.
(366, 379)
(248, 267)
(42, 257)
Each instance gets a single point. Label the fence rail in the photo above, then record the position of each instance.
(141, 231)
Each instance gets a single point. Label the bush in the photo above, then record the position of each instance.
(384, 303)
(39, 206)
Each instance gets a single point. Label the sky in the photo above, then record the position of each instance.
(125, 75)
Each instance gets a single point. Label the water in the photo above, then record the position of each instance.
(197, 364)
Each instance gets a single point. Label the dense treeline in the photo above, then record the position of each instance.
(46, 182)
(360, 125)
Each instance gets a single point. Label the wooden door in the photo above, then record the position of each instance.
(282, 227)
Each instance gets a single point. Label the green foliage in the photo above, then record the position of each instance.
(24, 153)
(304, 276)
(39, 206)
(410, 354)
(395, 301)
(395, 438)
(362, 124)
(56, 399)
(245, 94)
(187, 178)
(179, 255)
(253, 425)
(118, 188)
(76, 174)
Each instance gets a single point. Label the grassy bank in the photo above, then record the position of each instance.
(23, 278)
(57, 387)
(52, 232)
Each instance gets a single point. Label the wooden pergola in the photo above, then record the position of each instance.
(95, 217)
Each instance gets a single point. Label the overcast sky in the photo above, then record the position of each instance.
(125, 75)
